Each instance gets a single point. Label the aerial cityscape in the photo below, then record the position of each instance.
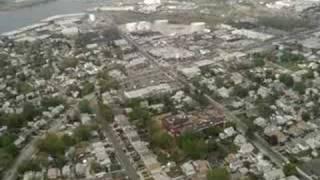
(160, 90)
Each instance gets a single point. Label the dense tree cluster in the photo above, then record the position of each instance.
(290, 169)
(14, 121)
(85, 107)
(56, 145)
(193, 145)
(218, 173)
(258, 60)
(287, 80)
(106, 82)
(8, 151)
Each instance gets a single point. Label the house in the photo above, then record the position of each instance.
(202, 168)
(295, 131)
(246, 148)
(224, 92)
(66, 171)
(3, 129)
(28, 175)
(228, 132)
(263, 92)
(236, 78)
(188, 169)
(239, 140)
(273, 131)
(101, 154)
(261, 122)
(275, 174)
(190, 72)
(53, 173)
(81, 170)
(262, 164)
(85, 118)
(19, 142)
(234, 162)
(31, 175)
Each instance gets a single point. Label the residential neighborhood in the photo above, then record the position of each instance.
(147, 90)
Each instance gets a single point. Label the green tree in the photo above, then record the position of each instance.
(52, 144)
(7, 139)
(219, 173)
(308, 75)
(95, 167)
(23, 87)
(240, 91)
(30, 111)
(140, 114)
(264, 110)
(13, 121)
(200, 97)
(52, 102)
(29, 165)
(289, 57)
(305, 116)
(300, 87)
(68, 140)
(213, 131)
(83, 133)
(290, 169)
(69, 63)
(212, 146)
(106, 82)
(46, 73)
(106, 112)
(6, 159)
(287, 80)
(87, 88)
(161, 139)
(258, 60)
(84, 107)
(193, 145)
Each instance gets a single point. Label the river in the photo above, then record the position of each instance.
(13, 19)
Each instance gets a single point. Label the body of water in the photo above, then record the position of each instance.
(13, 19)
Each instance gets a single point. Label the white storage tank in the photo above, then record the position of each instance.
(198, 26)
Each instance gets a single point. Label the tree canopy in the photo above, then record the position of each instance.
(219, 173)
(290, 169)
(84, 107)
(193, 145)
(287, 80)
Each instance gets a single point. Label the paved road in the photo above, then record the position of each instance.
(257, 140)
(123, 158)
(29, 150)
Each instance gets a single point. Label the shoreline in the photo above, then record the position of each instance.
(9, 6)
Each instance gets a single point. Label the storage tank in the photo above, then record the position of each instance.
(198, 26)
